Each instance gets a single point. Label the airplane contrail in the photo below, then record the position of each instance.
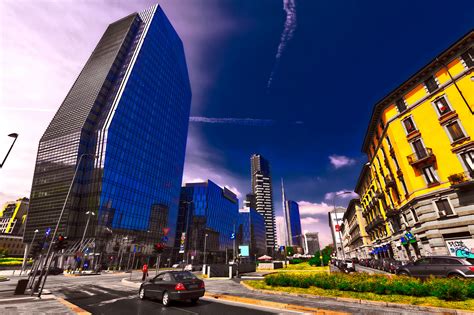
(289, 29)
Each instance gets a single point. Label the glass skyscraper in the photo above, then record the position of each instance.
(123, 126)
(206, 208)
(262, 197)
(251, 232)
(293, 223)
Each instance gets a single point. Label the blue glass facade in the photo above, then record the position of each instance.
(211, 210)
(252, 231)
(295, 222)
(129, 108)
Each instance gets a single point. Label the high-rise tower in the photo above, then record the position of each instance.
(291, 213)
(123, 126)
(262, 190)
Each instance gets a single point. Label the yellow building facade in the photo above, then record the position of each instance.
(417, 188)
(355, 238)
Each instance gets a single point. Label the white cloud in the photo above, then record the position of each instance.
(340, 193)
(234, 190)
(309, 220)
(339, 161)
(309, 208)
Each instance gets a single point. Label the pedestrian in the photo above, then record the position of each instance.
(145, 272)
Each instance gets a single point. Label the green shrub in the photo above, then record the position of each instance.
(295, 261)
(446, 289)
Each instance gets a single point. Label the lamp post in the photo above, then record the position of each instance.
(89, 214)
(337, 220)
(59, 220)
(205, 244)
(14, 136)
(28, 252)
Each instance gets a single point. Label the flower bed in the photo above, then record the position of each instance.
(446, 289)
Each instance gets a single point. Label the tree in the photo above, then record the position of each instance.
(326, 253)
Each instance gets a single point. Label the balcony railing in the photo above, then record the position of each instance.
(421, 156)
(391, 212)
(389, 180)
(461, 179)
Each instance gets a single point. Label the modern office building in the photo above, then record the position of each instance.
(355, 239)
(293, 223)
(417, 189)
(311, 243)
(208, 216)
(13, 217)
(335, 221)
(122, 128)
(251, 232)
(262, 190)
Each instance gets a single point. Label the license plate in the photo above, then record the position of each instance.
(193, 286)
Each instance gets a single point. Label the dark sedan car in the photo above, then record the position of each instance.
(439, 266)
(173, 286)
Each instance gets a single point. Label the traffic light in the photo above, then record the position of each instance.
(61, 243)
(158, 248)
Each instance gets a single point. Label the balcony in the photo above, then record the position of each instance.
(374, 223)
(391, 212)
(423, 156)
(389, 180)
(461, 180)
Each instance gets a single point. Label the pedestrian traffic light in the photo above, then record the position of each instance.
(61, 243)
(158, 248)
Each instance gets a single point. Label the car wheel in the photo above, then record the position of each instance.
(455, 276)
(166, 299)
(194, 301)
(141, 294)
(403, 273)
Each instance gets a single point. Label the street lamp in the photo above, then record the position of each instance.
(14, 136)
(205, 244)
(337, 220)
(28, 253)
(89, 214)
(59, 219)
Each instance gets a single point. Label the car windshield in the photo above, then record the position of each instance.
(185, 275)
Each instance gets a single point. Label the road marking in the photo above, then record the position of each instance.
(115, 300)
(255, 307)
(88, 293)
(100, 290)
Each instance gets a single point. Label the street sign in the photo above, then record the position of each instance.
(166, 231)
(232, 236)
(338, 228)
(181, 243)
(48, 230)
(164, 239)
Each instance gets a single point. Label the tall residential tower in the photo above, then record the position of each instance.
(262, 190)
(123, 127)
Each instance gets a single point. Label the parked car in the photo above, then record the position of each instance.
(395, 264)
(179, 265)
(190, 267)
(347, 266)
(173, 286)
(355, 260)
(439, 266)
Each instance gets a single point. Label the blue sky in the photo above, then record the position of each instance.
(337, 59)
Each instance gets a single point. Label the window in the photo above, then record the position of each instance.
(455, 131)
(468, 159)
(167, 277)
(423, 261)
(442, 105)
(401, 106)
(405, 219)
(430, 175)
(419, 149)
(431, 84)
(468, 57)
(413, 213)
(409, 125)
(444, 207)
(402, 181)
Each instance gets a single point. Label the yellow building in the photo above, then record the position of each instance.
(355, 239)
(417, 190)
(13, 216)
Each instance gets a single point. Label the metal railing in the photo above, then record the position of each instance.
(420, 155)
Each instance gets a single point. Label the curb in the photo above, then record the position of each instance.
(76, 309)
(131, 283)
(407, 307)
(277, 305)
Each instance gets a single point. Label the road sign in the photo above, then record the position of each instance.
(48, 230)
(166, 231)
(232, 236)
(338, 228)
(164, 239)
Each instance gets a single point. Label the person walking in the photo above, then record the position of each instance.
(145, 272)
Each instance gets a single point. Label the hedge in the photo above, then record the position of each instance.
(446, 289)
